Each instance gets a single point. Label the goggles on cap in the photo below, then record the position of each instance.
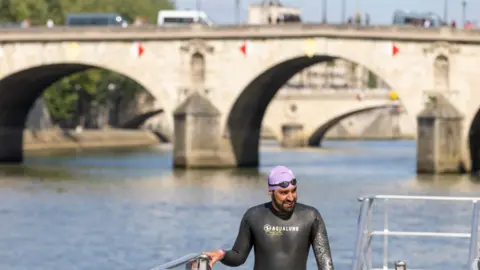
(284, 184)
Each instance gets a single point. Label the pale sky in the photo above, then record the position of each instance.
(381, 11)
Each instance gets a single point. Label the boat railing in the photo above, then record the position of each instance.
(193, 261)
(363, 247)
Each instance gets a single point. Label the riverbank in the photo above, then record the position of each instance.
(58, 139)
(269, 137)
(371, 138)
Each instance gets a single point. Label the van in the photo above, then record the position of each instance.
(182, 17)
(95, 19)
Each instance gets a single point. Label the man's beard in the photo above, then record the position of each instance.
(283, 207)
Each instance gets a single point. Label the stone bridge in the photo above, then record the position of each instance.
(238, 68)
(318, 114)
(313, 114)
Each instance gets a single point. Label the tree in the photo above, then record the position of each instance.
(34, 10)
(61, 100)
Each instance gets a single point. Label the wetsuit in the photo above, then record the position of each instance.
(281, 240)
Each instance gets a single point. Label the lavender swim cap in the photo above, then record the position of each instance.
(279, 174)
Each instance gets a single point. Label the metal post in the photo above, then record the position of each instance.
(474, 233)
(445, 10)
(203, 262)
(369, 259)
(400, 265)
(237, 11)
(343, 11)
(358, 260)
(324, 19)
(385, 237)
(464, 11)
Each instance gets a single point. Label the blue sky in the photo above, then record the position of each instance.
(222, 11)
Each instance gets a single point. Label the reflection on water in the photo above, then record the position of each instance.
(130, 210)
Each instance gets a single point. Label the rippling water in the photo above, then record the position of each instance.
(130, 210)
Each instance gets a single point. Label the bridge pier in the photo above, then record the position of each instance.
(11, 145)
(439, 142)
(197, 141)
(293, 136)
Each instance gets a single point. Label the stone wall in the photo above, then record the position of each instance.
(110, 138)
(38, 117)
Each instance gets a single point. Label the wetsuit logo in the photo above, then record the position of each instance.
(278, 230)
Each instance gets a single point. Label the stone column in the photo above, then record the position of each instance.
(293, 135)
(197, 136)
(439, 143)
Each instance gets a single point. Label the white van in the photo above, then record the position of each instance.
(182, 17)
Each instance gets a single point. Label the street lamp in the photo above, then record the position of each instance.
(445, 10)
(343, 11)
(464, 11)
(237, 11)
(111, 88)
(324, 19)
(78, 89)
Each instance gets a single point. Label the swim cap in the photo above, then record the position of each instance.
(279, 174)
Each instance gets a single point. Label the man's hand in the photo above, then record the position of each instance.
(215, 256)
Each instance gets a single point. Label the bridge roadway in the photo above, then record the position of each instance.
(180, 61)
(144, 33)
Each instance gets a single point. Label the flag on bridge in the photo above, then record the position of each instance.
(391, 49)
(245, 48)
(310, 48)
(137, 49)
(73, 51)
(394, 50)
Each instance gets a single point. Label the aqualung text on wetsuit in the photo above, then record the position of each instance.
(282, 242)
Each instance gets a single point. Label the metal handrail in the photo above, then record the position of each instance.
(193, 261)
(363, 248)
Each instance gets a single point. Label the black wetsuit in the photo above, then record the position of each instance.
(281, 241)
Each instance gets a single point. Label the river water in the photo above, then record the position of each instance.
(129, 210)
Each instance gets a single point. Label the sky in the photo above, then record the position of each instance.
(381, 11)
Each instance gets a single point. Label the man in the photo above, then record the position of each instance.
(281, 231)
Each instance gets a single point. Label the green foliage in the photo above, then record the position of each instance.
(61, 98)
(372, 80)
(34, 10)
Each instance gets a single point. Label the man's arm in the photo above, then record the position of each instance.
(320, 243)
(239, 253)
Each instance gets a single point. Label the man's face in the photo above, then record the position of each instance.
(284, 199)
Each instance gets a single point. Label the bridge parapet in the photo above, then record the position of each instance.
(332, 94)
(408, 33)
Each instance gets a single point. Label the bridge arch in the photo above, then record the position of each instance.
(317, 136)
(243, 123)
(137, 121)
(474, 143)
(19, 90)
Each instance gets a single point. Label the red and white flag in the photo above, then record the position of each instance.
(245, 48)
(392, 49)
(137, 49)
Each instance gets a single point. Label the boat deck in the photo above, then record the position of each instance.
(363, 259)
